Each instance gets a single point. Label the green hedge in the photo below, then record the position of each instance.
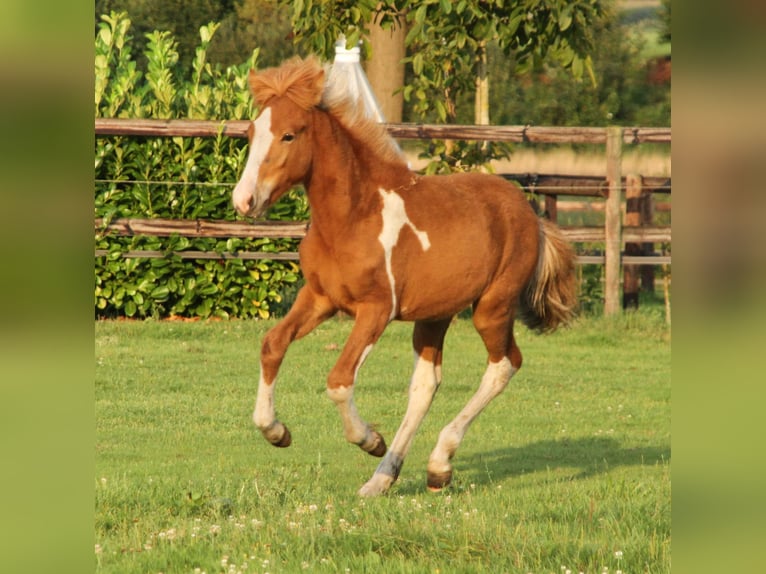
(178, 178)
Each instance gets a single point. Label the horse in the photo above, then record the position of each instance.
(387, 244)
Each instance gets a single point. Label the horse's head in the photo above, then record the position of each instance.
(280, 137)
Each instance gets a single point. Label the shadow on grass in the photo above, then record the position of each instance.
(590, 455)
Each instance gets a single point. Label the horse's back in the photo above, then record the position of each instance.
(478, 197)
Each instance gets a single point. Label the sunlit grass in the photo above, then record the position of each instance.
(569, 469)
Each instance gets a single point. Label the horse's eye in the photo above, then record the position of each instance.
(288, 138)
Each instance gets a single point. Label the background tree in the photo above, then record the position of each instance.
(254, 23)
(448, 41)
(548, 95)
(448, 45)
(665, 17)
(245, 25)
(526, 54)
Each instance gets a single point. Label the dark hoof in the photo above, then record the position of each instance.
(439, 480)
(378, 446)
(285, 440)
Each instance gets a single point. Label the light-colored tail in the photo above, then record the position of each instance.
(550, 298)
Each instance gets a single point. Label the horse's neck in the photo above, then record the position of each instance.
(345, 178)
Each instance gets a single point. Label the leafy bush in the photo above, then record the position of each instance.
(178, 178)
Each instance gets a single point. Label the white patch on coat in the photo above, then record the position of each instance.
(394, 220)
(247, 187)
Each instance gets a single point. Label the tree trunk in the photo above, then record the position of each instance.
(481, 109)
(385, 70)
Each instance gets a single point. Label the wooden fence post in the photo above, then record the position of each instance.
(646, 208)
(633, 195)
(612, 224)
(551, 208)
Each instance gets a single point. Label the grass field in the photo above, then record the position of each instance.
(568, 470)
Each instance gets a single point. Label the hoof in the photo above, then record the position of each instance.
(376, 486)
(378, 448)
(285, 441)
(282, 441)
(438, 480)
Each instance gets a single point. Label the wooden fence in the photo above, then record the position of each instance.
(637, 232)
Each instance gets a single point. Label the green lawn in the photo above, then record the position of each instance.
(569, 469)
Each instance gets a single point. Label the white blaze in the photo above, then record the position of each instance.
(247, 188)
(394, 219)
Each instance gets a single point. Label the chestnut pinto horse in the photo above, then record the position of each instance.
(386, 243)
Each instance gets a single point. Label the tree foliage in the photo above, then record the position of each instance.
(444, 37)
(447, 42)
(549, 95)
(665, 17)
(529, 83)
(244, 24)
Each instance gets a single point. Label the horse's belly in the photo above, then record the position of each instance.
(438, 292)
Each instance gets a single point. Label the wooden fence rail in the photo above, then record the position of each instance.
(519, 134)
(638, 234)
(291, 229)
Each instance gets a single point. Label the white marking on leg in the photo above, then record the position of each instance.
(422, 390)
(493, 382)
(247, 188)
(394, 219)
(354, 428)
(361, 360)
(264, 415)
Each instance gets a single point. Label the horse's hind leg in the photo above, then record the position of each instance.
(307, 312)
(495, 325)
(427, 342)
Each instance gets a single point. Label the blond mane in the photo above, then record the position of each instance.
(304, 83)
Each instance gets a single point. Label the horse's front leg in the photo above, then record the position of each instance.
(369, 325)
(308, 311)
